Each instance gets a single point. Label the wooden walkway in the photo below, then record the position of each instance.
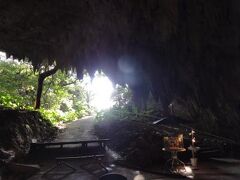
(84, 143)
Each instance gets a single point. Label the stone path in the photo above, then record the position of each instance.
(82, 129)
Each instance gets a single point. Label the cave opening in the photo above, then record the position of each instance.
(100, 89)
(166, 69)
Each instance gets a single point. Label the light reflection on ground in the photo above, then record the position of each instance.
(139, 176)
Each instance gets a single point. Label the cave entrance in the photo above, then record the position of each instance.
(99, 91)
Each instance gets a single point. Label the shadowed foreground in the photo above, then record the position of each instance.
(89, 169)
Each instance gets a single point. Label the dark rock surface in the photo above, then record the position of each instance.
(138, 143)
(18, 128)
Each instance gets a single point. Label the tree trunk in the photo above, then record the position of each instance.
(41, 78)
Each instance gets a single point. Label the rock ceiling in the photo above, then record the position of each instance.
(172, 48)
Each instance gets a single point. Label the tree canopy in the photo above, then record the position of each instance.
(64, 97)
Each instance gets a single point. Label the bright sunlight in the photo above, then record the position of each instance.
(100, 89)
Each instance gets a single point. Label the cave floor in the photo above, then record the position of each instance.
(89, 169)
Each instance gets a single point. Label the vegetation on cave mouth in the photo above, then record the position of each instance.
(63, 96)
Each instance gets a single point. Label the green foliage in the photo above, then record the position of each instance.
(123, 107)
(122, 96)
(63, 97)
(51, 115)
(118, 113)
(17, 84)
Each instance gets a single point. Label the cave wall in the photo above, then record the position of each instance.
(192, 62)
(19, 127)
(205, 73)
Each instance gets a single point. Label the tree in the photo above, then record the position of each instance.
(62, 97)
(122, 96)
(42, 76)
(17, 84)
